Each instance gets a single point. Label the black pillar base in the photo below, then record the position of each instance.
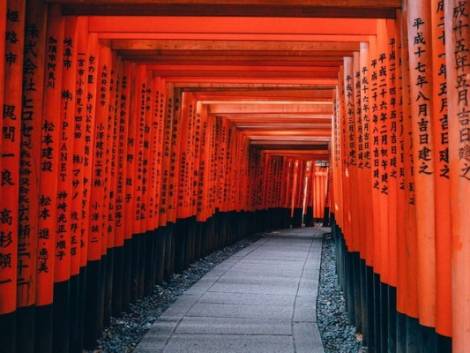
(26, 333)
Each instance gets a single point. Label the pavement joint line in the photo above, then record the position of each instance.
(295, 299)
(233, 334)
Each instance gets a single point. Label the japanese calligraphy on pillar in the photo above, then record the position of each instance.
(10, 154)
(76, 226)
(34, 50)
(461, 19)
(49, 162)
(421, 92)
(63, 239)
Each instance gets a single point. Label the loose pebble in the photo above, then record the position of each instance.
(337, 334)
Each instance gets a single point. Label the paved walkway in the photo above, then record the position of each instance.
(260, 300)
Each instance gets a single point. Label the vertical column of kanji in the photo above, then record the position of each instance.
(205, 184)
(339, 118)
(77, 250)
(33, 78)
(184, 157)
(237, 166)
(157, 127)
(420, 65)
(402, 287)
(90, 51)
(50, 143)
(364, 147)
(457, 27)
(64, 189)
(98, 93)
(359, 144)
(145, 153)
(440, 126)
(122, 113)
(195, 143)
(161, 108)
(138, 151)
(110, 183)
(174, 153)
(197, 158)
(314, 192)
(129, 165)
(212, 166)
(363, 108)
(375, 151)
(302, 190)
(224, 179)
(213, 175)
(292, 190)
(10, 166)
(344, 155)
(152, 159)
(106, 99)
(168, 114)
(3, 24)
(350, 154)
(320, 194)
(355, 154)
(358, 183)
(189, 173)
(335, 157)
(411, 300)
(383, 146)
(147, 208)
(392, 122)
(202, 116)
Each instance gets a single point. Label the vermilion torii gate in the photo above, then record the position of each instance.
(133, 132)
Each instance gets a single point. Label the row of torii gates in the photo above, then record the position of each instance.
(140, 135)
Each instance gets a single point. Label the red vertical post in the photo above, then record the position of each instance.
(420, 66)
(10, 140)
(457, 28)
(440, 126)
(33, 77)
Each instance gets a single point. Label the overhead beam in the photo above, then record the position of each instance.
(264, 94)
(280, 126)
(235, 36)
(323, 108)
(283, 133)
(257, 8)
(242, 45)
(300, 147)
(272, 117)
(266, 81)
(247, 59)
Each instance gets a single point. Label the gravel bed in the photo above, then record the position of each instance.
(337, 334)
(126, 331)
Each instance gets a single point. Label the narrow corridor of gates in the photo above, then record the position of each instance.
(138, 136)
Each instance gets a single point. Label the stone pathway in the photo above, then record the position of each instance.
(260, 300)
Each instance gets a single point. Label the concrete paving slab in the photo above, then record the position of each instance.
(260, 300)
(247, 299)
(230, 344)
(266, 312)
(307, 338)
(233, 326)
